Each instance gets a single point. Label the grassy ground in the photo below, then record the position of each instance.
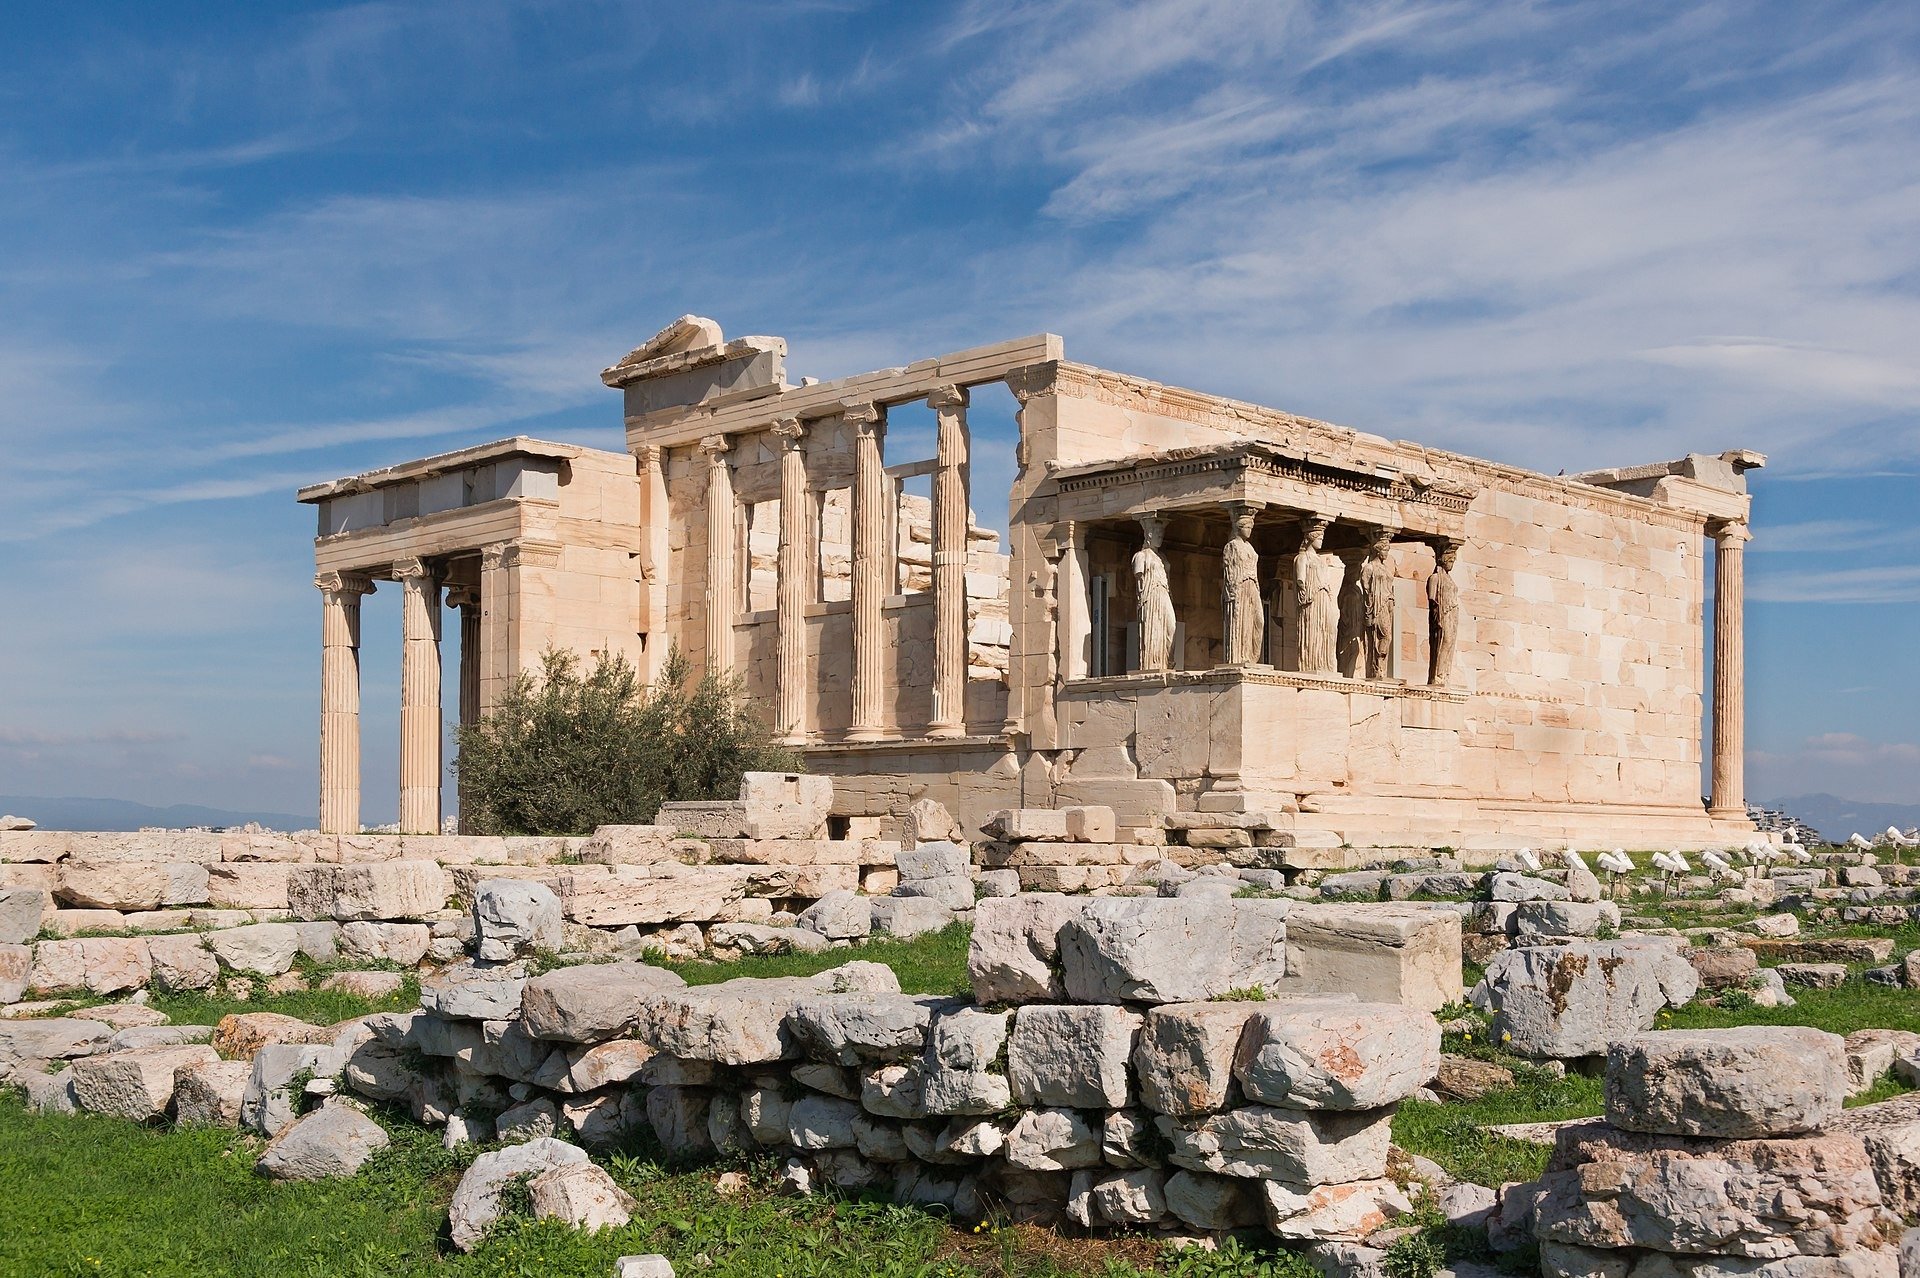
(88, 1195)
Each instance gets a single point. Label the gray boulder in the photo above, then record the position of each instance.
(849, 1029)
(594, 1003)
(581, 1195)
(1015, 950)
(476, 1203)
(1577, 999)
(839, 916)
(475, 992)
(512, 918)
(332, 1141)
(1750, 1081)
(1337, 1055)
(136, 1084)
(21, 911)
(906, 917)
(1172, 950)
(262, 949)
(1069, 1055)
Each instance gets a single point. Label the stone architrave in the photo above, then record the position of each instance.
(340, 594)
(949, 403)
(1155, 598)
(1376, 605)
(1243, 612)
(720, 567)
(1729, 668)
(419, 698)
(872, 567)
(1443, 613)
(795, 582)
(1316, 592)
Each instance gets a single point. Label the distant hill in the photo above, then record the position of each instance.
(120, 814)
(1837, 818)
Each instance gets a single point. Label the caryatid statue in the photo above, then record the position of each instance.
(1154, 596)
(1316, 592)
(1244, 613)
(1376, 604)
(1443, 612)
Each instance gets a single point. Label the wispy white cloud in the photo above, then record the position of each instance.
(1881, 585)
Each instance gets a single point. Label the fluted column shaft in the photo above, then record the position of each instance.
(419, 698)
(340, 700)
(720, 566)
(798, 558)
(1729, 668)
(949, 403)
(872, 562)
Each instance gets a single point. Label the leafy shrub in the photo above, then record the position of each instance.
(564, 752)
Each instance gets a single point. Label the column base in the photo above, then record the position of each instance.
(866, 734)
(938, 730)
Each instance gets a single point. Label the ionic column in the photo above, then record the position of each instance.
(949, 564)
(419, 698)
(1075, 613)
(340, 594)
(720, 518)
(872, 562)
(467, 600)
(1729, 668)
(796, 574)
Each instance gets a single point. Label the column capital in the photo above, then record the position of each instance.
(715, 447)
(946, 398)
(1730, 532)
(410, 567)
(1240, 506)
(1032, 380)
(343, 583)
(1445, 548)
(790, 431)
(865, 416)
(463, 596)
(647, 456)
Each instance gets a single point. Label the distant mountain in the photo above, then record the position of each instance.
(120, 814)
(1837, 818)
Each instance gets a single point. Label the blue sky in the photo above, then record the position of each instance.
(244, 247)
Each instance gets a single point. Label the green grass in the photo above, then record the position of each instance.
(321, 1007)
(931, 964)
(89, 1195)
(1454, 1134)
(1855, 1005)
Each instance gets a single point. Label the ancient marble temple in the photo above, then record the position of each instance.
(1203, 606)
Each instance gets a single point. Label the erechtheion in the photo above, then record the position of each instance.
(1207, 610)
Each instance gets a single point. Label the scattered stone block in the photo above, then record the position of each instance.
(905, 917)
(1722, 967)
(23, 911)
(240, 1035)
(1813, 976)
(1576, 999)
(1071, 1055)
(1172, 950)
(16, 972)
(1337, 1055)
(1184, 1057)
(476, 1202)
(581, 1195)
(333, 1141)
(475, 992)
(1304, 1147)
(513, 918)
(1733, 1083)
(839, 916)
(137, 1085)
(209, 1092)
(1381, 953)
(380, 891)
(595, 1003)
(262, 949)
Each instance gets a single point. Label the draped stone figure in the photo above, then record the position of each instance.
(1351, 648)
(1244, 613)
(1376, 604)
(1316, 594)
(1155, 599)
(1443, 613)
